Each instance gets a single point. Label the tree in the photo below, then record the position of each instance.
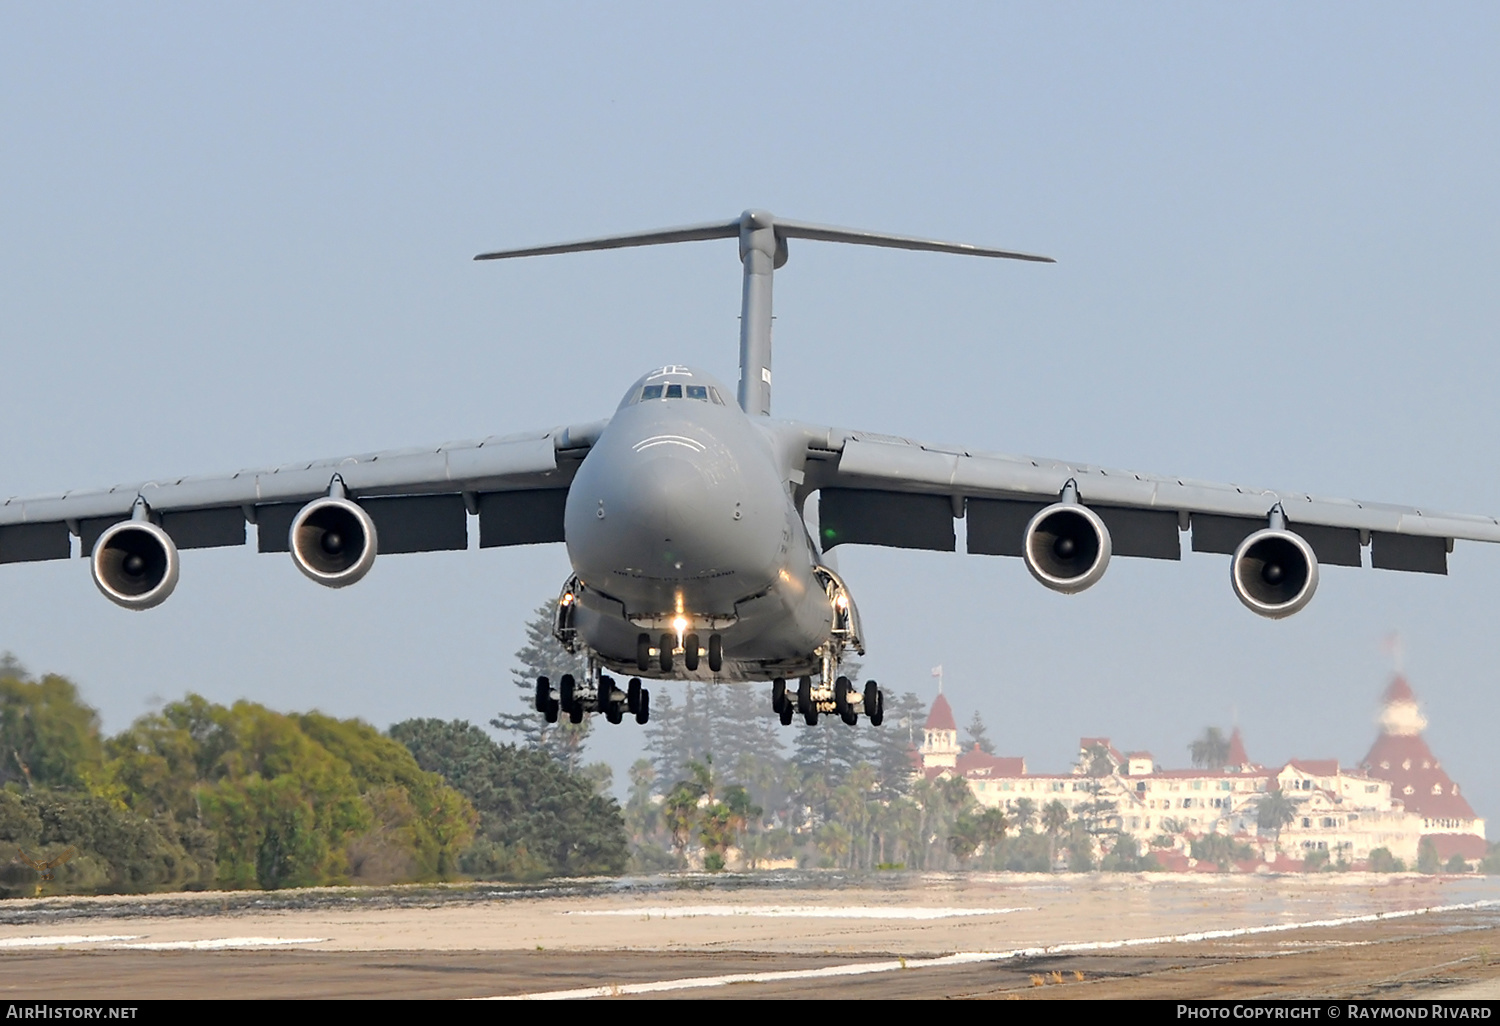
(1382, 861)
(1023, 813)
(544, 656)
(1055, 818)
(48, 736)
(535, 818)
(1427, 856)
(1211, 751)
(1220, 850)
(1491, 861)
(978, 736)
(976, 831)
(1273, 811)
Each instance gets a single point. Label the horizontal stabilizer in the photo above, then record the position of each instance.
(661, 236)
(829, 233)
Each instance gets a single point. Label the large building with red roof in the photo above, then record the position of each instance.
(1396, 799)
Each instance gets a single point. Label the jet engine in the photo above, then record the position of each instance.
(1274, 573)
(135, 564)
(333, 541)
(1066, 547)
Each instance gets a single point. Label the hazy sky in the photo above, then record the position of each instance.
(238, 235)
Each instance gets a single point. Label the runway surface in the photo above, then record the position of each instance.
(777, 936)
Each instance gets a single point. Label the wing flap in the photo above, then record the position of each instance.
(900, 520)
(521, 517)
(29, 543)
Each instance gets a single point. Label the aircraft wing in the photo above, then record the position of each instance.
(419, 499)
(881, 490)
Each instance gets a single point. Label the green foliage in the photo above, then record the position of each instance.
(1491, 861)
(544, 656)
(1273, 811)
(1125, 856)
(1427, 856)
(1382, 861)
(976, 831)
(48, 737)
(200, 795)
(1315, 861)
(1080, 848)
(1210, 751)
(117, 852)
(1456, 864)
(535, 818)
(293, 800)
(1221, 850)
(978, 735)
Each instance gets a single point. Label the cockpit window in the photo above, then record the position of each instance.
(702, 393)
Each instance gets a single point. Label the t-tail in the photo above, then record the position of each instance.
(763, 248)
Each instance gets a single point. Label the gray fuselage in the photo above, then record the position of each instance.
(682, 519)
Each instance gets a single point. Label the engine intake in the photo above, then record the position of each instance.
(1066, 547)
(333, 542)
(135, 564)
(1274, 573)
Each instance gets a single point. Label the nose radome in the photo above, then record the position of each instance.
(668, 493)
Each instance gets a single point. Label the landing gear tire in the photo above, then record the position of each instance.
(633, 695)
(715, 652)
(872, 700)
(606, 701)
(613, 713)
(551, 712)
(666, 653)
(643, 707)
(543, 694)
(786, 714)
(778, 695)
(879, 716)
(643, 653)
(841, 691)
(565, 699)
(804, 694)
(690, 652)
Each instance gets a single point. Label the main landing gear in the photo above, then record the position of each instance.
(843, 698)
(604, 697)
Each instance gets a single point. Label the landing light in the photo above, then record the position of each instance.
(680, 625)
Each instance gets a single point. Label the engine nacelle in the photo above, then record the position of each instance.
(1066, 547)
(1274, 573)
(135, 564)
(333, 541)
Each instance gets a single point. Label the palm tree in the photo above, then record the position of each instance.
(1274, 811)
(1054, 821)
(1023, 813)
(1211, 751)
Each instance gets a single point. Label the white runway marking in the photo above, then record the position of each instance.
(796, 912)
(218, 943)
(969, 957)
(51, 942)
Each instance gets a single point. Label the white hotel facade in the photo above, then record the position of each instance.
(1396, 797)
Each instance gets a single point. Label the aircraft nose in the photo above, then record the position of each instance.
(669, 497)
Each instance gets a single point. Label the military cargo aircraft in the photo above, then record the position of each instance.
(683, 517)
